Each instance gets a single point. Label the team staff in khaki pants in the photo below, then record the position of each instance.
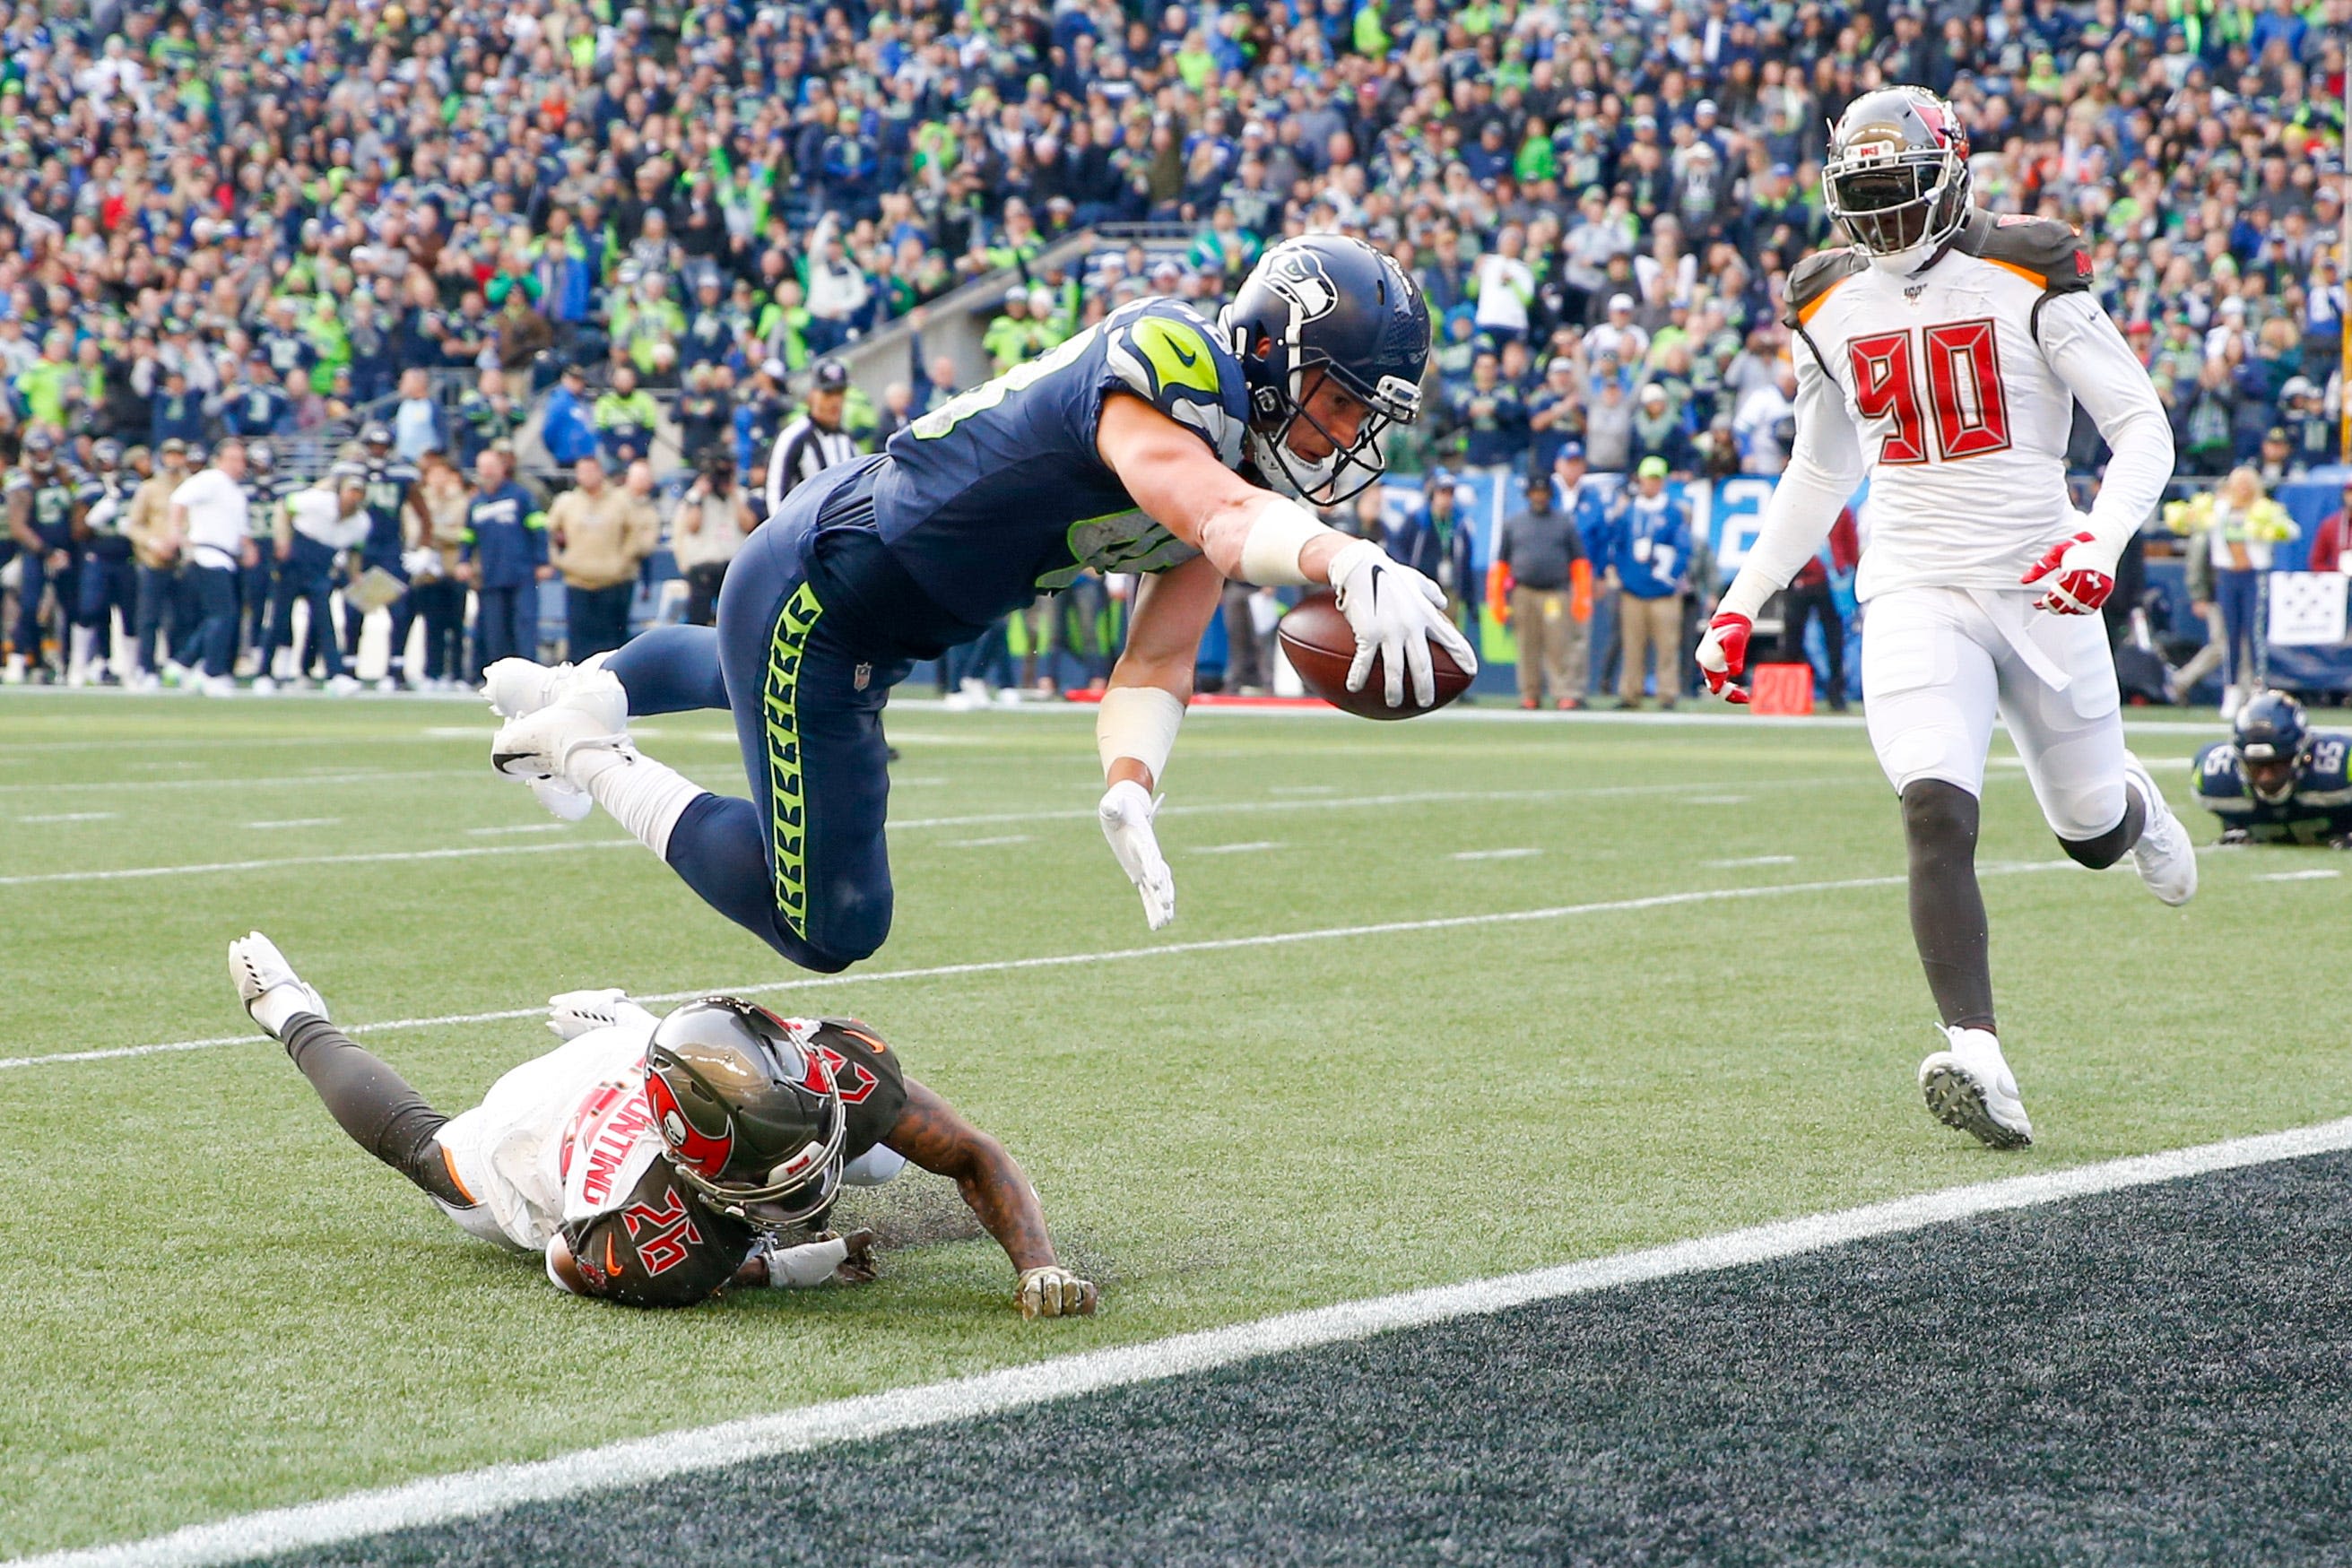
(602, 533)
(1542, 562)
(1649, 559)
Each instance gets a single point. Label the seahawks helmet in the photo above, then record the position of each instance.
(2272, 730)
(749, 1115)
(1331, 304)
(258, 457)
(1898, 175)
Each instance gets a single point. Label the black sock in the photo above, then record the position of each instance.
(1948, 916)
(374, 1105)
(2111, 846)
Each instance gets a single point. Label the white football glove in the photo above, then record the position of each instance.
(1127, 813)
(1053, 1292)
(1396, 613)
(574, 1013)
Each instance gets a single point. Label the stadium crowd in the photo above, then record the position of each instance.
(272, 224)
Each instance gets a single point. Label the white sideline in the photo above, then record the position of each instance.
(1073, 814)
(1064, 960)
(473, 1493)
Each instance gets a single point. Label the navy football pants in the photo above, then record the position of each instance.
(802, 864)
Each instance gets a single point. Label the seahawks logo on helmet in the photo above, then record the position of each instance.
(1299, 277)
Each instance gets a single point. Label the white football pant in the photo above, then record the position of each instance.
(1938, 663)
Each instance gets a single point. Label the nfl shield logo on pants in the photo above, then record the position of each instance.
(859, 677)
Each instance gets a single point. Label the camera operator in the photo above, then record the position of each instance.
(709, 528)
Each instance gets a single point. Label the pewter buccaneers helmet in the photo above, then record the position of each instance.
(749, 1115)
(1898, 175)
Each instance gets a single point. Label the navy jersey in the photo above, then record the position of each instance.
(998, 495)
(388, 484)
(2319, 809)
(55, 495)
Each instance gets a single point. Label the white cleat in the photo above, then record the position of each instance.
(593, 716)
(219, 686)
(517, 688)
(2166, 858)
(259, 968)
(344, 686)
(1969, 1087)
(264, 686)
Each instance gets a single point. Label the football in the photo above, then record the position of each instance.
(1320, 646)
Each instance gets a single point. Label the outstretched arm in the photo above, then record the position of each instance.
(929, 1133)
(1252, 535)
(1134, 727)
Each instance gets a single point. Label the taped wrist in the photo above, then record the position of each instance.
(1270, 550)
(1138, 722)
(805, 1267)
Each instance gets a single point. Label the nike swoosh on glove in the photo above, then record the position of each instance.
(1126, 812)
(2076, 575)
(1723, 655)
(1396, 613)
(1053, 1292)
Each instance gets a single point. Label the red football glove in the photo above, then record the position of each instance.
(2077, 575)
(1723, 655)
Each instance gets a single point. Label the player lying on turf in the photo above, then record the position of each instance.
(1139, 445)
(1940, 355)
(2276, 780)
(658, 1161)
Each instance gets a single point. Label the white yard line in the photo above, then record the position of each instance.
(72, 817)
(1252, 847)
(999, 842)
(272, 782)
(1067, 960)
(1753, 860)
(1513, 854)
(2316, 874)
(471, 1494)
(300, 822)
(994, 819)
(518, 827)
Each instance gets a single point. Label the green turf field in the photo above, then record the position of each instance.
(216, 1304)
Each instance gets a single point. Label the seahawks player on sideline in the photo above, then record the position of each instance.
(108, 582)
(656, 1161)
(2276, 780)
(45, 521)
(1941, 355)
(1131, 447)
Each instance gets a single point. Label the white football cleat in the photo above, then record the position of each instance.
(1969, 1087)
(264, 686)
(2166, 858)
(517, 688)
(219, 686)
(257, 967)
(344, 686)
(593, 716)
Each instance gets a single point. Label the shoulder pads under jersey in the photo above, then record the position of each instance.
(2041, 250)
(1810, 282)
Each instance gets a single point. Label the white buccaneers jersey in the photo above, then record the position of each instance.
(559, 1139)
(1952, 388)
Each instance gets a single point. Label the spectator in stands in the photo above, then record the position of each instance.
(1555, 415)
(503, 560)
(1491, 416)
(1608, 429)
(713, 519)
(1012, 337)
(569, 429)
(416, 422)
(1659, 431)
(626, 417)
(488, 416)
(1436, 543)
(599, 533)
(1544, 564)
(1765, 421)
(1648, 563)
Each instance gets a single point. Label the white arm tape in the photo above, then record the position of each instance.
(806, 1267)
(1270, 550)
(1139, 722)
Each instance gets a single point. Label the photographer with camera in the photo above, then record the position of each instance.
(712, 518)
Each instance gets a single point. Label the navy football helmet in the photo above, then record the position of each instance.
(1331, 304)
(749, 1115)
(2272, 739)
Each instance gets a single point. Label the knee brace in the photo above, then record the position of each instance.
(2109, 847)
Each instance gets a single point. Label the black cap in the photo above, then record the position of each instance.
(832, 375)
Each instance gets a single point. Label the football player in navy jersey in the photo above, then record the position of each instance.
(392, 484)
(2276, 780)
(656, 1161)
(1143, 444)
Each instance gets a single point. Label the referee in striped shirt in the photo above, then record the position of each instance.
(815, 440)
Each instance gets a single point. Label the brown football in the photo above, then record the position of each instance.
(1322, 646)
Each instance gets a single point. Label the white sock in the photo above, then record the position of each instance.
(644, 796)
(276, 1008)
